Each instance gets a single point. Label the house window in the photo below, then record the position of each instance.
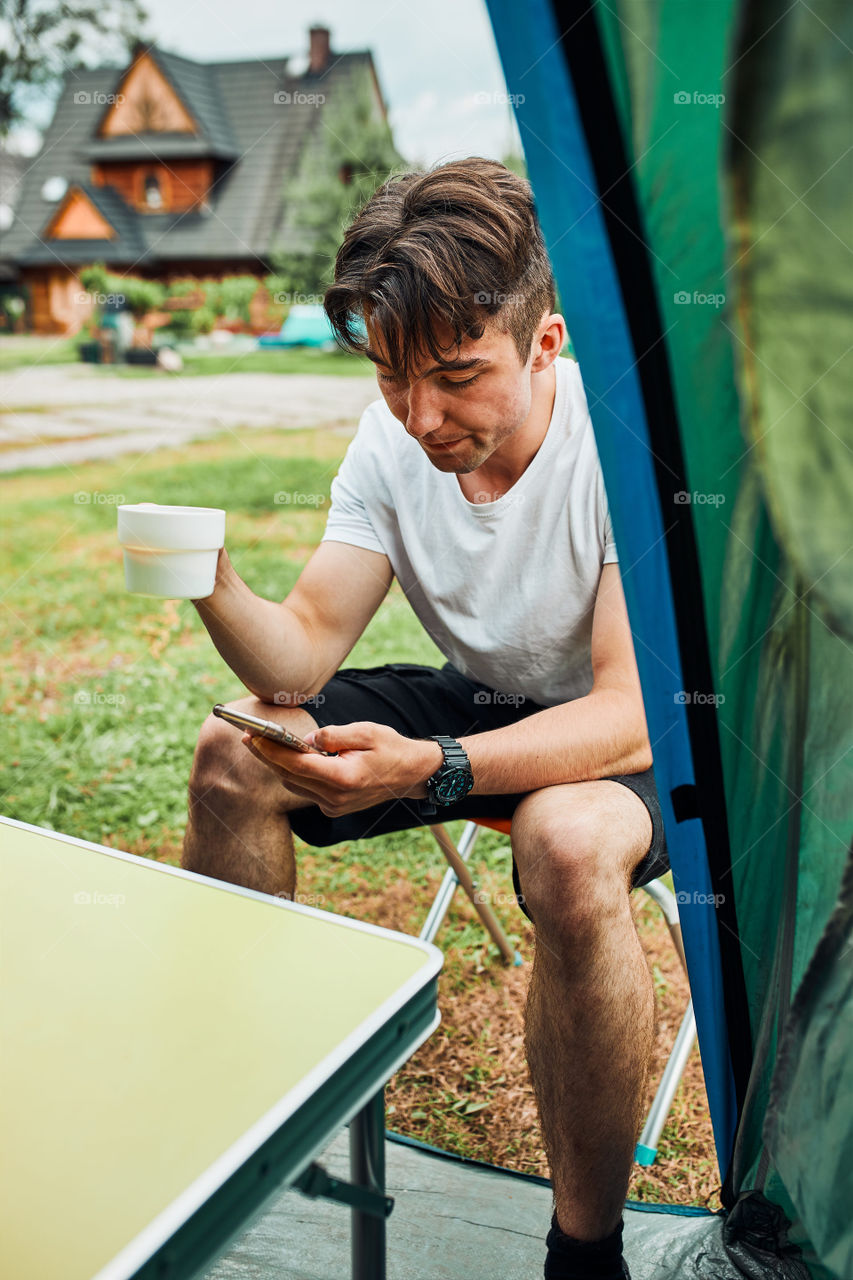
(153, 194)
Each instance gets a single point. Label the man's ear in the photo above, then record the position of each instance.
(548, 342)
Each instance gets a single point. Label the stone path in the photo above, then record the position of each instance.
(66, 414)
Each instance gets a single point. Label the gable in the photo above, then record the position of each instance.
(78, 219)
(146, 103)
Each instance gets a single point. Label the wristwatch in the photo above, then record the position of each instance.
(453, 778)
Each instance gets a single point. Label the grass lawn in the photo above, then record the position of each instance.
(103, 697)
(18, 352)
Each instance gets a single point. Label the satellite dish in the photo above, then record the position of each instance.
(7, 216)
(54, 188)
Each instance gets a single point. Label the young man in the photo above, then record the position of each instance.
(476, 482)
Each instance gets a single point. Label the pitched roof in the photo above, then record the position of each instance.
(128, 247)
(252, 109)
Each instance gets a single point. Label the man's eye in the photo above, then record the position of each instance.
(389, 377)
(468, 382)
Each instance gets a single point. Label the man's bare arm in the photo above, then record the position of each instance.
(603, 733)
(289, 649)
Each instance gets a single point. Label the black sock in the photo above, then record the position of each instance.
(570, 1259)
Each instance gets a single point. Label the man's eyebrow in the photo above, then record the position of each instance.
(449, 366)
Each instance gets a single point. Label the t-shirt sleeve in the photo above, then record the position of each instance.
(349, 515)
(611, 555)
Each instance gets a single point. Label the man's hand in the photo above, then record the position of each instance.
(372, 764)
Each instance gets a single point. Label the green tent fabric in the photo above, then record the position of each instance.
(691, 164)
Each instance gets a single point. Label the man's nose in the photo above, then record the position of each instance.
(424, 412)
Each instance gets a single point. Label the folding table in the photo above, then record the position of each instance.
(175, 1050)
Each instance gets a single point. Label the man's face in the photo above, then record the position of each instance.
(461, 412)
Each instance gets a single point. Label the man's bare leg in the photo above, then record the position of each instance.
(590, 1012)
(238, 829)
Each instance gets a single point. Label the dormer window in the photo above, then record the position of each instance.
(153, 194)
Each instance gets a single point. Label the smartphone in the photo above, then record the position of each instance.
(265, 729)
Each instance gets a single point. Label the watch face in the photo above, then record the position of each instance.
(453, 786)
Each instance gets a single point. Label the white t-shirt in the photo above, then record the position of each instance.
(506, 589)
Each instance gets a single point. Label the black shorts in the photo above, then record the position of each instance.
(420, 701)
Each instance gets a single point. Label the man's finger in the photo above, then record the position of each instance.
(298, 763)
(359, 736)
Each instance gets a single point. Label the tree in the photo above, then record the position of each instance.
(41, 40)
(351, 155)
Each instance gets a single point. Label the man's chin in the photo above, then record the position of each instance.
(458, 460)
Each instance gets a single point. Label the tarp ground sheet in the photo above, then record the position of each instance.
(691, 163)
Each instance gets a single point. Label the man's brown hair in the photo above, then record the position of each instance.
(459, 244)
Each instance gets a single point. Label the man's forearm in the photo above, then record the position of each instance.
(261, 640)
(592, 737)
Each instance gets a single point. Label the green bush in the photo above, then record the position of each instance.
(231, 297)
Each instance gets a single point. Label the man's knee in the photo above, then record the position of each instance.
(575, 847)
(223, 769)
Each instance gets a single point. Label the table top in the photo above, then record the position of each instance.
(158, 1027)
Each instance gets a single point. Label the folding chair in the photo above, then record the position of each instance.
(457, 873)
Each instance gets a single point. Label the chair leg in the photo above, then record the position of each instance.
(444, 897)
(484, 911)
(666, 900)
(647, 1147)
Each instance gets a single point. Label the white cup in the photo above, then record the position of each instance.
(171, 551)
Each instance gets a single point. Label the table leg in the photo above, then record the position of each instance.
(367, 1169)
